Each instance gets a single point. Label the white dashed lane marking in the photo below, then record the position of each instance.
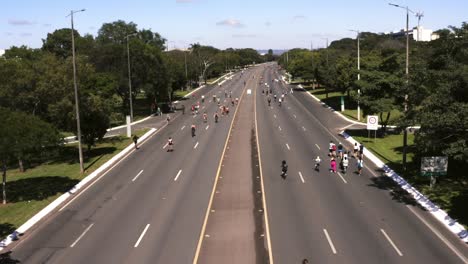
(137, 175)
(178, 174)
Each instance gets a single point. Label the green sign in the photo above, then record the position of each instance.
(434, 166)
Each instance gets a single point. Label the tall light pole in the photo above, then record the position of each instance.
(130, 77)
(77, 105)
(359, 71)
(326, 49)
(405, 132)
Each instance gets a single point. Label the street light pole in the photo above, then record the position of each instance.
(130, 77)
(77, 107)
(359, 72)
(405, 132)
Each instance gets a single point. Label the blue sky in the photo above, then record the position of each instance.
(258, 24)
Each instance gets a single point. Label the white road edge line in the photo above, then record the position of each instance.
(178, 174)
(342, 177)
(142, 235)
(165, 146)
(287, 146)
(196, 145)
(82, 235)
(207, 127)
(302, 178)
(137, 175)
(439, 235)
(391, 242)
(329, 241)
(317, 146)
(182, 128)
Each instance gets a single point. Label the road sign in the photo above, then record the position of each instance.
(372, 122)
(434, 166)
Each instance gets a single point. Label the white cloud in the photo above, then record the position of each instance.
(20, 22)
(230, 22)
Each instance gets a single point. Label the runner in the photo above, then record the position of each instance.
(333, 165)
(360, 165)
(355, 150)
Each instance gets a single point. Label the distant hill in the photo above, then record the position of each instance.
(275, 51)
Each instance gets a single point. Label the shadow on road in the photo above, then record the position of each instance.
(397, 193)
(5, 258)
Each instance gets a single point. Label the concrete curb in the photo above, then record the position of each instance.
(451, 224)
(62, 198)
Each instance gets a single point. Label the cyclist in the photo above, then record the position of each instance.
(360, 164)
(279, 100)
(237, 100)
(216, 117)
(333, 165)
(355, 149)
(269, 100)
(274, 97)
(202, 98)
(344, 164)
(193, 130)
(317, 163)
(170, 145)
(340, 150)
(284, 170)
(168, 118)
(205, 117)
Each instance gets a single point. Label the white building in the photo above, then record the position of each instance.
(422, 34)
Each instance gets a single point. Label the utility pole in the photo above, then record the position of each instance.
(359, 72)
(130, 78)
(405, 131)
(77, 105)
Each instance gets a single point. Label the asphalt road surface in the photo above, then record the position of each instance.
(203, 201)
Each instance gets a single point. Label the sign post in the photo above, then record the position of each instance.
(433, 167)
(372, 124)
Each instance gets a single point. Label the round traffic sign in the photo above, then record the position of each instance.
(372, 120)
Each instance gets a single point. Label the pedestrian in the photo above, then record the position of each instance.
(135, 141)
(330, 148)
(159, 111)
(333, 165)
(305, 261)
(361, 150)
(360, 165)
(344, 164)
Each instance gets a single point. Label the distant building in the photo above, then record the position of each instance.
(422, 34)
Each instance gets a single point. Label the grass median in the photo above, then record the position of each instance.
(30, 191)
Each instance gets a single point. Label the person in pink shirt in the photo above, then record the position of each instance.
(333, 165)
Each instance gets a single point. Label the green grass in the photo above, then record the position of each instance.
(179, 94)
(31, 191)
(450, 192)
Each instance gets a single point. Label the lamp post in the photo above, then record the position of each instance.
(359, 71)
(130, 77)
(405, 132)
(326, 48)
(77, 107)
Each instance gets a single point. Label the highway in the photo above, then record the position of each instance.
(219, 198)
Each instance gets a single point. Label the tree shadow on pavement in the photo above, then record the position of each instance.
(38, 188)
(5, 230)
(5, 258)
(458, 209)
(398, 194)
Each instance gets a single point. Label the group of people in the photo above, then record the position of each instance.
(341, 153)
